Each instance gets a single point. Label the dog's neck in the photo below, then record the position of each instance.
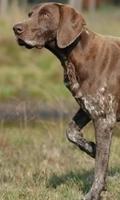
(64, 54)
(61, 54)
(72, 60)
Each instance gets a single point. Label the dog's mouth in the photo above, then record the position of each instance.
(26, 44)
(29, 44)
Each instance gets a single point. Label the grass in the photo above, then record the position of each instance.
(28, 74)
(38, 74)
(37, 162)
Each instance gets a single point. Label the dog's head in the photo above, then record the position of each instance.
(48, 22)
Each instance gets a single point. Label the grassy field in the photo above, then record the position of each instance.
(36, 161)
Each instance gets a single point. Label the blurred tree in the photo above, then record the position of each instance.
(24, 2)
(90, 4)
(117, 2)
(76, 4)
(19, 2)
(3, 7)
(38, 1)
(86, 4)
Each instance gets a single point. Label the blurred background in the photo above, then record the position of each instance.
(36, 160)
(35, 77)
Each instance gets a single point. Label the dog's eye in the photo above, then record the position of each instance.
(30, 14)
(46, 14)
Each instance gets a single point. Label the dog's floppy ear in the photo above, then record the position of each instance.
(70, 26)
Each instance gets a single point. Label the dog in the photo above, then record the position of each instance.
(91, 64)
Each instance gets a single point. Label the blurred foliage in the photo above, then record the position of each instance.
(38, 74)
(65, 1)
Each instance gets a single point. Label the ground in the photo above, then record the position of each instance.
(37, 162)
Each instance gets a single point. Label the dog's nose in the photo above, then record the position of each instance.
(18, 29)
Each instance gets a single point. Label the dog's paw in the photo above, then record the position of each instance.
(92, 196)
(82, 197)
(88, 196)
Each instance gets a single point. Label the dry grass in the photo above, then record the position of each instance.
(37, 162)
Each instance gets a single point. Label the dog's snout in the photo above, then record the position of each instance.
(18, 29)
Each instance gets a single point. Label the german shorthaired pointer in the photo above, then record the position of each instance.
(91, 64)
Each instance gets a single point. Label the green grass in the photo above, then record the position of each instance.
(29, 74)
(37, 162)
(38, 74)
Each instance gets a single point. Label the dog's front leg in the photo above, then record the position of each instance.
(74, 133)
(103, 129)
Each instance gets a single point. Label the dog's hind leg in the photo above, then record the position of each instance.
(75, 135)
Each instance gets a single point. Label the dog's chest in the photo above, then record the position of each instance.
(98, 104)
